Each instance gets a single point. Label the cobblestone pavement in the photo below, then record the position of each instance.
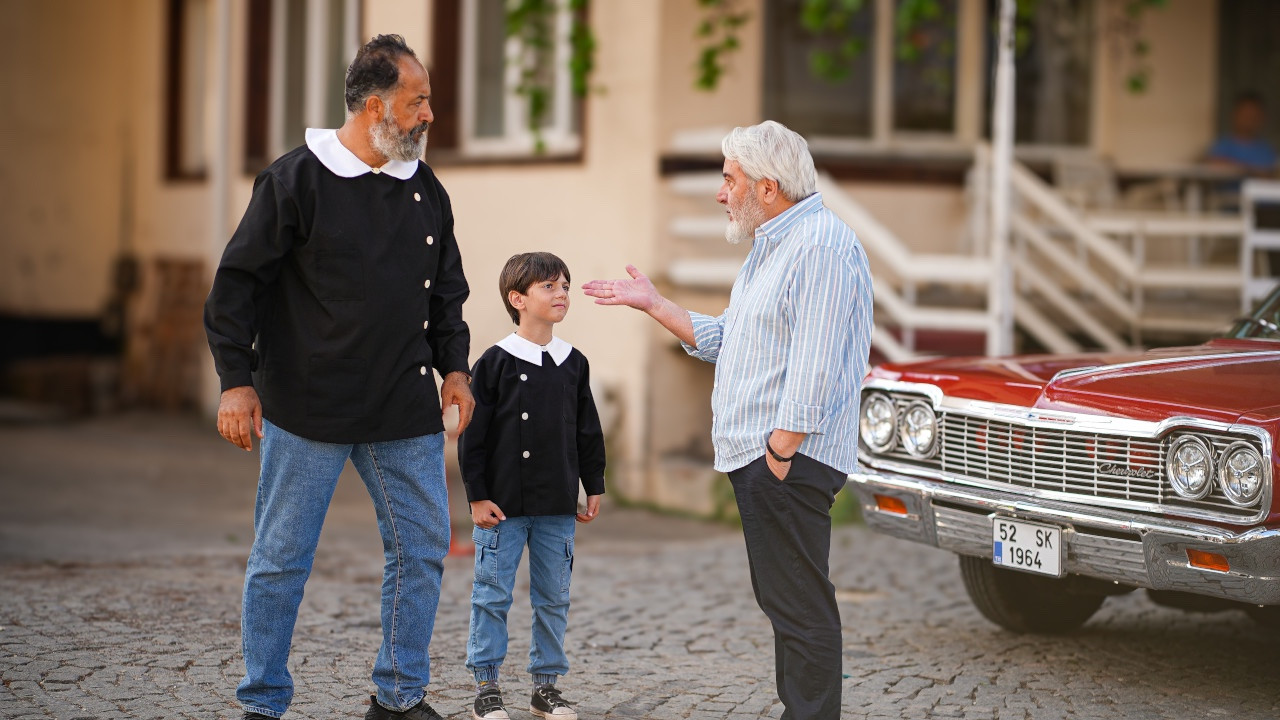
(122, 543)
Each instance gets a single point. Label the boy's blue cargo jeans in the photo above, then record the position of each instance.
(498, 550)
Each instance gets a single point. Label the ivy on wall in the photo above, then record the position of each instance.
(837, 49)
(830, 22)
(533, 24)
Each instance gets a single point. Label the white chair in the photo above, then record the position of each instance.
(1257, 271)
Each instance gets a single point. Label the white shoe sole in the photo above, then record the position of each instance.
(491, 716)
(571, 715)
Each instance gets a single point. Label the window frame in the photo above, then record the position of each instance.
(267, 136)
(177, 103)
(559, 139)
(972, 22)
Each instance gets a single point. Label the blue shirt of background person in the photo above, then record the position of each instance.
(1245, 148)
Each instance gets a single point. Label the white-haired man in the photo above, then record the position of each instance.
(790, 354)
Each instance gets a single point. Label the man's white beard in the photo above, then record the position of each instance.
(389, 141)
(746, 219)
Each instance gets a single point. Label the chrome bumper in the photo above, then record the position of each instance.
(1100, 543)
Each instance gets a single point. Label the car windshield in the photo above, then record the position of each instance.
(1263, 323)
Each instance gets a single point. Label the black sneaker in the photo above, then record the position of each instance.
(256, 716)
(488, 704)
(421, 711)
(547, 703)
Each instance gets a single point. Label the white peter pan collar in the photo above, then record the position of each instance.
(531, 352)
(344, 163)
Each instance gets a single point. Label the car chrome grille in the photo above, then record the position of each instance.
(1095, 468)
(1051, 459)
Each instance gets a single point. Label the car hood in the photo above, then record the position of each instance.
(1221, 380)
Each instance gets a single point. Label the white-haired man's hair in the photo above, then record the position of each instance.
(773, 151)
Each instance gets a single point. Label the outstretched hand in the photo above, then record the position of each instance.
(638, 292)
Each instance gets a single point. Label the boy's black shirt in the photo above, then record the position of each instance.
(561, 434)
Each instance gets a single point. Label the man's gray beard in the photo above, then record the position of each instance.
(389, 141)
(746, 221)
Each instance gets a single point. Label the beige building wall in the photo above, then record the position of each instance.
(66, 133)
(681, 107)
(1174, 120)
(596, 215)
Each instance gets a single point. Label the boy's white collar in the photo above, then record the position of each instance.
(531, 352)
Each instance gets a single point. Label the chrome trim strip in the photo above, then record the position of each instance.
(1101, 369)
(991, 501)
(1060, 420)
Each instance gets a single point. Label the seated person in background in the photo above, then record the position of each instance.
(1245, 149)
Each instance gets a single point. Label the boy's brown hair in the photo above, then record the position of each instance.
(522, 271)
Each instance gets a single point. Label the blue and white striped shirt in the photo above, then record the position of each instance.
(791, 349)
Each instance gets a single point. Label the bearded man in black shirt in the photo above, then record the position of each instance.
(338, 294)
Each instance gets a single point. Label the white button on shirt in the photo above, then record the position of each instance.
(523, 376)
(425, 323)
(526, 453)
(524, 416)
(426, 284)
(417, 197)
(431, 240)
(422, 370)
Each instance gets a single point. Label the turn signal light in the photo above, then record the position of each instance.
(884, 503)
(1207, 560)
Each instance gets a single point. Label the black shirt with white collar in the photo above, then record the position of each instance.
(339, 292)
(535, 433)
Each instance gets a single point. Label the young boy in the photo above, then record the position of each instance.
(534, 434)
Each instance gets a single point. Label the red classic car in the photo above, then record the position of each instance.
(1060, 480)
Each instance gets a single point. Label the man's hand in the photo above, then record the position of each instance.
(786, 444)
(456, 390)
(485, 514)
(593, 509)
(240, 416)
(638, 292)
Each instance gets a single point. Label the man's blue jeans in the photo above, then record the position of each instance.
(498, 550)
(405, 479)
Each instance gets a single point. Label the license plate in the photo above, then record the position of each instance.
(1030, 547)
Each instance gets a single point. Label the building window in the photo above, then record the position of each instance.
(795, 96)
(492, 117)
(924, 74)
(1053, 74)
(189, 85)
(930, 88)
(296, 72)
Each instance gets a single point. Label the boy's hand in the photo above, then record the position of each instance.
(593, 509)
(486, 515)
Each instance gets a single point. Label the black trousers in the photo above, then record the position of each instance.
(787, 526)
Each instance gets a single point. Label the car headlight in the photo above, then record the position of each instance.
(878, 421)
(1189, 466)
(919, 429)
(1241, 474)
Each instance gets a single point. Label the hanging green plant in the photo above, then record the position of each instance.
(533, 24)
(831, 23)
(718, 30)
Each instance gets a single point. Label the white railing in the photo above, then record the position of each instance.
(896, 298)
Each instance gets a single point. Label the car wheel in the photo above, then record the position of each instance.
(1021, 602)
(1268, 616)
